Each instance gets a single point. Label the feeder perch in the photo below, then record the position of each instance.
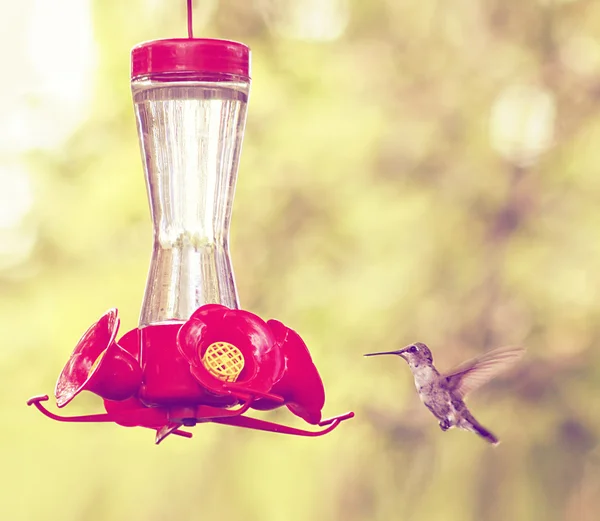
(195, 357)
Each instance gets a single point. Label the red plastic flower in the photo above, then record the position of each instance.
(276, 361)
(232, 332)
(99, 364)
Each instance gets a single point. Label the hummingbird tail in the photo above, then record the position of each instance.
(477, 428)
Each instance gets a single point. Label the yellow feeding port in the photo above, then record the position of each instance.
(223, 360)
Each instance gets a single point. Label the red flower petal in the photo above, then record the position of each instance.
(189, 338)
(210, 314)
(300, 384)
(91, 345)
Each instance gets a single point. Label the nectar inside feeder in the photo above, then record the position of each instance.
(195, 357)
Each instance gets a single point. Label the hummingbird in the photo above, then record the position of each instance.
(443, 394)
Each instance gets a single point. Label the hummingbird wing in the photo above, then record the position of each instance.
(474, 373)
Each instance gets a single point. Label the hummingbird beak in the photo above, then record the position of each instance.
(399, 352)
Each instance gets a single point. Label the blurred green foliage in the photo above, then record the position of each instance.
(373, 209)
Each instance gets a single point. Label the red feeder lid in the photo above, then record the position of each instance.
(202, 55)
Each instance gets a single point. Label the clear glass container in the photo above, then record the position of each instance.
(190, 127)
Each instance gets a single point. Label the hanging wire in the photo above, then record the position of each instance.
(189, 19)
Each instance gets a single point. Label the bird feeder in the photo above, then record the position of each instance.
(195, 357)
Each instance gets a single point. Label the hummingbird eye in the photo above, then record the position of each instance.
(413, 349)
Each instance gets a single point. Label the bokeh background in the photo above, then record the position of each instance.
(411, 171)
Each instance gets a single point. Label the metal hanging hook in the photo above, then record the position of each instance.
(190, 25)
